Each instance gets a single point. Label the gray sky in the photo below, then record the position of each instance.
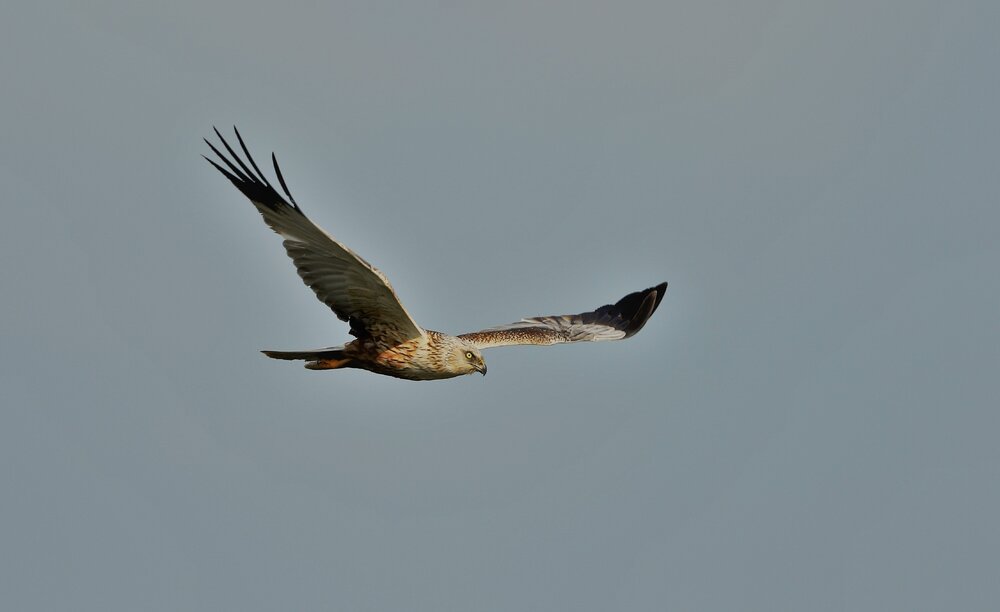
(809, 422)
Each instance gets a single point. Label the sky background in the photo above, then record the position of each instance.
(809, 421)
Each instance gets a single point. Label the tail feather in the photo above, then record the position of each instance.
(320, 359)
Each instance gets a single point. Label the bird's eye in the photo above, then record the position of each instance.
(468, 355)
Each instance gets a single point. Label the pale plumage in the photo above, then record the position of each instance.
(388, 340)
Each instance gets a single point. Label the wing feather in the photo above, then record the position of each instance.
(354, 289)
(615, 321)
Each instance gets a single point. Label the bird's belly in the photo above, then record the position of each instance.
(409, 361)
(415, 373)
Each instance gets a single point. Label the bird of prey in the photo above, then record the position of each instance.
(387, 339)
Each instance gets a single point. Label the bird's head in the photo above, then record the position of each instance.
(466, 358)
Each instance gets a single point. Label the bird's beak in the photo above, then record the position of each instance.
(482, 369)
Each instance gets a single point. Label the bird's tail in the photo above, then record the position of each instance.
(319, 359)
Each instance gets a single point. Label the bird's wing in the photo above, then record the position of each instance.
(612, 322)
(354, 289)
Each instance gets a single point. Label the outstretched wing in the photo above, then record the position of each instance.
(612, 322)
(354, 289)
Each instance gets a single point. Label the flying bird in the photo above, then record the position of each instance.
(387, 339)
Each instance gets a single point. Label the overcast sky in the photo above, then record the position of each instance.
(808, 422)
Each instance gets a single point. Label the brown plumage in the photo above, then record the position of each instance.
(387, 339)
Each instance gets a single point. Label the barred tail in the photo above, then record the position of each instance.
(321, 359)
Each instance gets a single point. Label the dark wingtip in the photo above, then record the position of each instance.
(661, 290)
(636, 308)
(252, 183)
(641, 314)
(229, 175)
(246, 152)
(281, 179)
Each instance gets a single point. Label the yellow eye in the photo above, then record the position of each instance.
(468, 355)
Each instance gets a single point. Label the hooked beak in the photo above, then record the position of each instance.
(482, 369)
